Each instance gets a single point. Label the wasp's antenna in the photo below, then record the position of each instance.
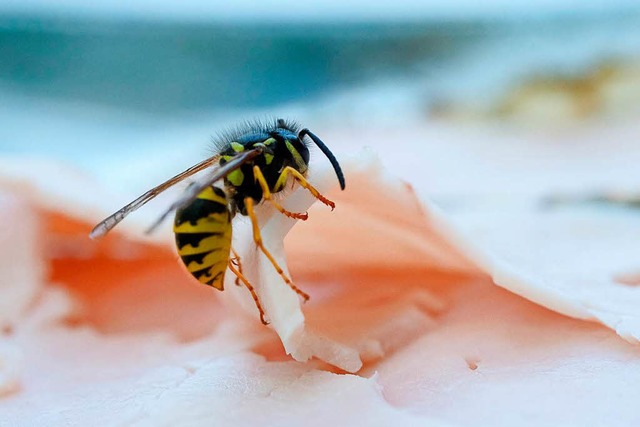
(327, 152)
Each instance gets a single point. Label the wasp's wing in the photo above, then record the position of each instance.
(108, 223)
(192, 192)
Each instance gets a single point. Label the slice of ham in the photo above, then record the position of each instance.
(116, 328)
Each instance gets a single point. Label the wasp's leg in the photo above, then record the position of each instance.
(240, 276)
(282, 180)
(257, 238)
(237, 263)
(266, 193)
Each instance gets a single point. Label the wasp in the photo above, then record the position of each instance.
(254, 162)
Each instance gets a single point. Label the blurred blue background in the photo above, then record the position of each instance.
(81, 82)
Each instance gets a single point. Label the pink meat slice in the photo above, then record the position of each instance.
(400, 293)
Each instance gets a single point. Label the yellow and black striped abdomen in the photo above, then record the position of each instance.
(203, 236)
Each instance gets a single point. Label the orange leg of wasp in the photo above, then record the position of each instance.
(257, 238)
(266, 193)
(304, 183)
(254, 295)
(236, 263)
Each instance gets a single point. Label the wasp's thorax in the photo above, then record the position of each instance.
(281, 148)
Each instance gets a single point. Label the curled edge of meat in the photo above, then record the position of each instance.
(377, 222)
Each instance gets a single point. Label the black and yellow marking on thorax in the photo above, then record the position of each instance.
(203, 236)
(300, 163)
